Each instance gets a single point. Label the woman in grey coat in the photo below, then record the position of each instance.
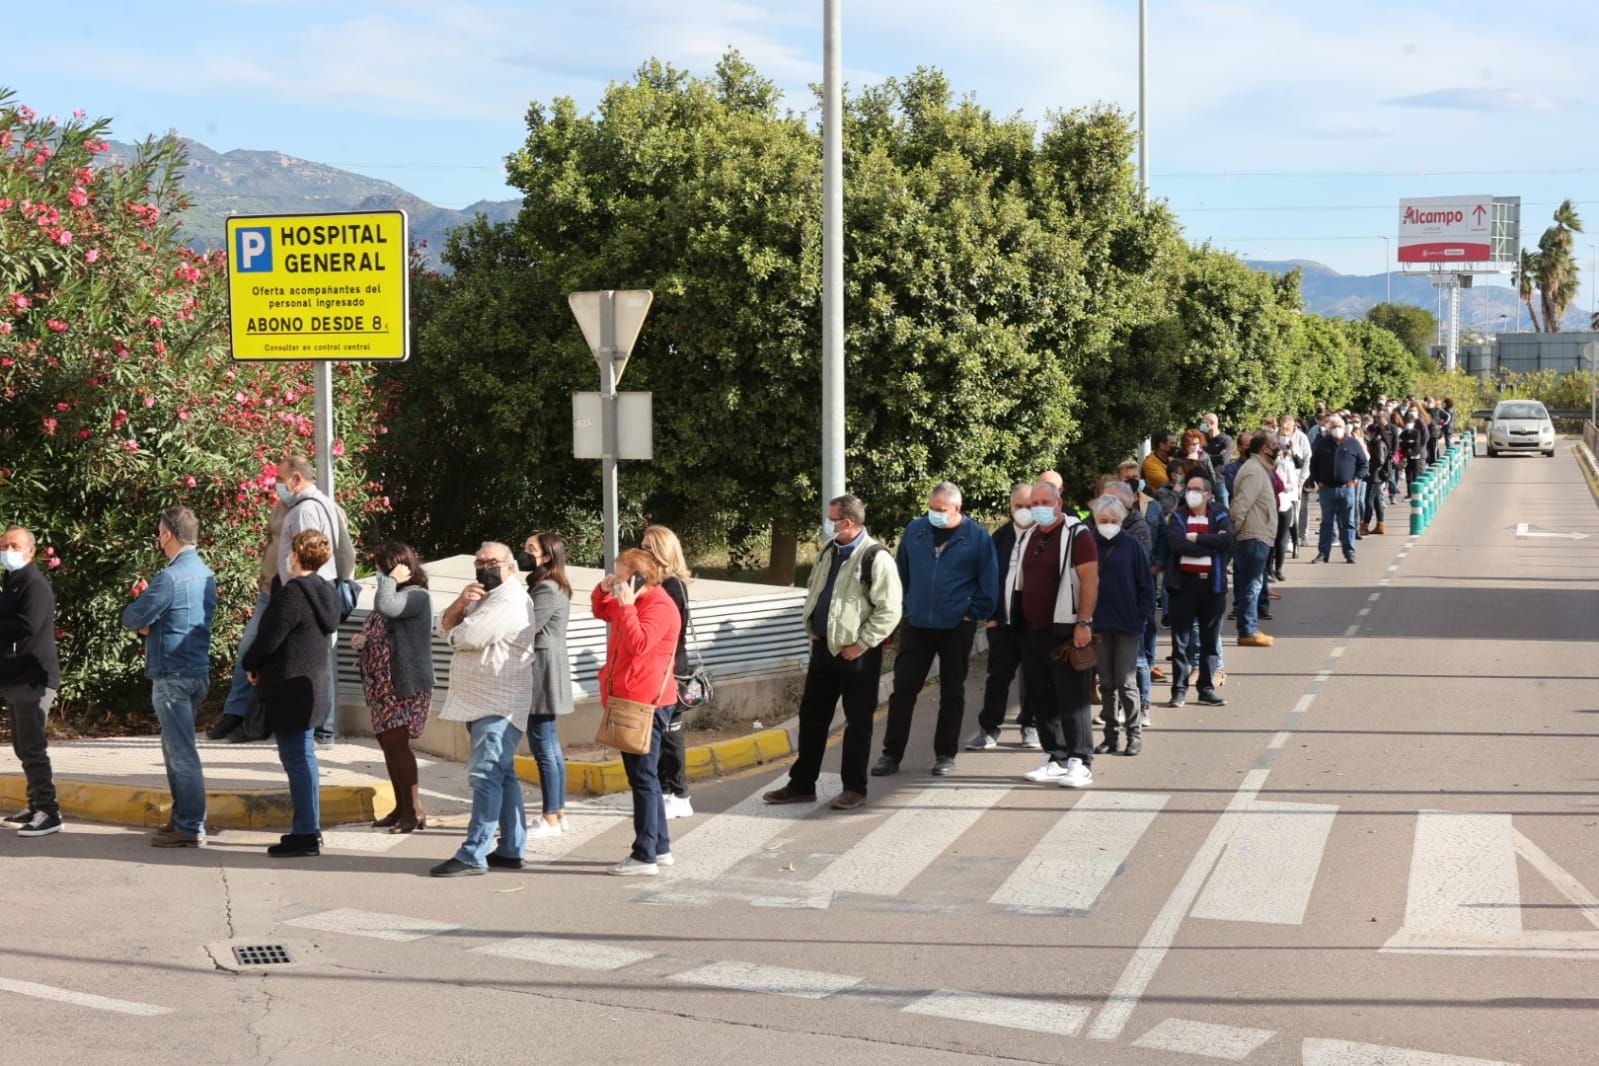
(552, 676)
(396, 656)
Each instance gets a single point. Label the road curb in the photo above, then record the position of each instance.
(1589, 465)
(96, 801)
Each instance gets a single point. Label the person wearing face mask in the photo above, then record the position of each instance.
(1004, 643)
(230, 726)
(1219, 446)
(491, 629)
(1193, 451)
(310, 508)
(1337, 465)
(174, 614)
(30, 675)
(1291, 477)
(1199, 541)
(1412, 443)
(1254, 516)
(1128, 474)
(551, 592)
(950, 575)
(1126, 601)
(1380, 465)
(852, 604)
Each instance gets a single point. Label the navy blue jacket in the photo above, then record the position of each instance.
(1335, 463)
(1218, 544)
(941, 588)
(177, 607)
(1004, 544)
(1126, 587)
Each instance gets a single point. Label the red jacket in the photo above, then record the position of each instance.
(643, 646)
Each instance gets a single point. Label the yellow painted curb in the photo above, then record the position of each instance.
(97, 801)
(704, 760)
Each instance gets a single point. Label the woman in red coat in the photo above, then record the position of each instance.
(638, 666)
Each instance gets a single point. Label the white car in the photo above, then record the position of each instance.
(1521, 426)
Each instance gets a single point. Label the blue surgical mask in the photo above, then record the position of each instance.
(283, 492)
(939, 519)
(12, 559)
(1043, 516)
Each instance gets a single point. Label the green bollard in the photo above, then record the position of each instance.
(1416, 526)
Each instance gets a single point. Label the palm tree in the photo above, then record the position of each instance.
(1557, 266)
(1525, 277)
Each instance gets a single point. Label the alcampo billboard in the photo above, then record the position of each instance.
(1442, 230)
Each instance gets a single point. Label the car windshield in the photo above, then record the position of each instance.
(1520, 410)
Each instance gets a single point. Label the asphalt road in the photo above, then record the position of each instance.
(1383, 850)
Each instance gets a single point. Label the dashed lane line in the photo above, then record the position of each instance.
(82, 999)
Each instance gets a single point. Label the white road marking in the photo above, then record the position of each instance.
(1374, 597)
(1279, 741)
(709, 851)
(1338, 652)
(891, 856)
(1363, 612)
(1035, 1016)
(583, 824)
(367, 840)
(82, 999)
(769, 980)
(1556, 875)
(1234, 1043)
(1268, 870)
(1345, 1053)
(396, 927)
(1304, 703)
(1351, 631)
(1076, 860)
(1140, 969)
(555, 951)
(1463, 876)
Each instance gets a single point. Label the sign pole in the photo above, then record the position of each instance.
(608, 426)
(833, 477)
(322, 376)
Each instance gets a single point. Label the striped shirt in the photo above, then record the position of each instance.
(1197, 564)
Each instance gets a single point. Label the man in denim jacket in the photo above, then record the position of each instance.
(173, 614)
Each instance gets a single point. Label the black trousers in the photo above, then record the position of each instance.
(1004, 661)
(1059, 698)
(29, 706)
(828, 680)
(917, 647)
(1188, 603)
(673, 774)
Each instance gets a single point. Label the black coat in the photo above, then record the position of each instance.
(28, 630)
(291, 651)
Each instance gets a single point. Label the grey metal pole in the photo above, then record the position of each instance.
(609, 431)
(322, 405)
(833, 474)
(1143, 101)
(1388, 264)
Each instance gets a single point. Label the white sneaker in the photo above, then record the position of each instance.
(1048, 770)
(1076, 774)
(665, 859)
(544, 830)
(631, 867)
(679, 807)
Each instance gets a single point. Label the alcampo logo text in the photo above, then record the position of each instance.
(1433, 218)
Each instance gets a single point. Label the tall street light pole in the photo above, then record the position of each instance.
(1388, 263)
(1143, 102)
(832, 256)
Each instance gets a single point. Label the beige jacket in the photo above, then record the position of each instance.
(1254, 502)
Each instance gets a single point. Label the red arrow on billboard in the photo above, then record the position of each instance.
(1479, 211)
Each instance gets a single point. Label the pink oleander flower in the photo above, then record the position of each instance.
(64, 238)
(78, 197)
(50, 427)
(92, 255)
(338, 447)
(131, 445)
(57, 325)
(149, 401)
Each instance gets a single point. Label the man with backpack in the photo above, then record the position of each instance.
(852, 606)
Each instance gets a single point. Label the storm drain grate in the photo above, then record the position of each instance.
(262, 954)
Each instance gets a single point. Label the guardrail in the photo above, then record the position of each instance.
(1590, 438)
(1440, 479)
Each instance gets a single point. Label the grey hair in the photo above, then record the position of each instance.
(296, 464)
(1110, 506)
(502, 550)
(1050, 485)
(947, 489)
(1020, 486)
(33, 544)
(1122, 491)
(850, 509)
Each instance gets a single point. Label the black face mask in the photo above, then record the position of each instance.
(524, 561)
(488, 577)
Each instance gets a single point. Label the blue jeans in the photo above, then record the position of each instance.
(330, 722)
(176, 699)
(496, 792)
(1249, 576)
(544, 741)
(297, 752)
(239, 694)
(650, 838)
(1337, 505)
(1147, 650)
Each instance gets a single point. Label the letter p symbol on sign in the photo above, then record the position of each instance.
(252, 249)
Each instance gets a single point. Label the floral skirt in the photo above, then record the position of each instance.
(377, 682)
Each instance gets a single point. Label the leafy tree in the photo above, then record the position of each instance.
(118, 397)
(1387, 366)
(1414, 326)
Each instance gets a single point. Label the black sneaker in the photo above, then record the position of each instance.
(1212, 699)
(296, 846)
(886, 766)
(18, 820)
(456, 868)
(225, 727)
(504, 862)
(943, 768)
(42, 824)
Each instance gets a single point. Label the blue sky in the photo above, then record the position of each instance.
(1279, 130)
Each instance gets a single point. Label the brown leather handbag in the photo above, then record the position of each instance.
(1079, 659)
(628, 725)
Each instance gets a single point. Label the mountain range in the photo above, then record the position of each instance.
(246, 182)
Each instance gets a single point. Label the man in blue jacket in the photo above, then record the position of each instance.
(173, 614)
(950, 575)
(1337, 464)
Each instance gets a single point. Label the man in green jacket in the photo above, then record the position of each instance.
(852, 606)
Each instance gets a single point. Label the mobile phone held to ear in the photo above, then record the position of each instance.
(638, 582)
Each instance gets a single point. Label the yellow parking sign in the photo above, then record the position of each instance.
(319, 287)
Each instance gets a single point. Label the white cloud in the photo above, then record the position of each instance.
(1481, 99)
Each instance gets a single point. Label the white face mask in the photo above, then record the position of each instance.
(1022, 516)
(1337, 432)
(1196, 500)
(1108, 530)
(12, 559)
